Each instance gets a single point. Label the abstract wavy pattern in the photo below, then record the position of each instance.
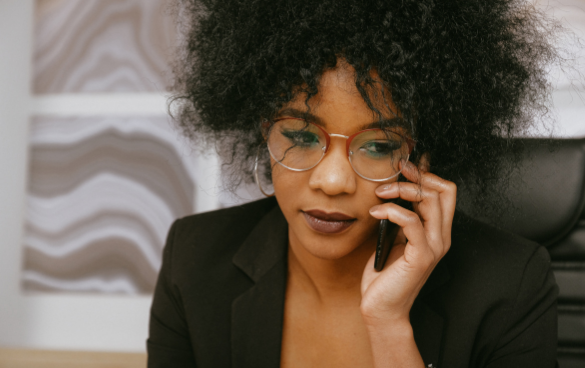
(102, 46)
(102, 195)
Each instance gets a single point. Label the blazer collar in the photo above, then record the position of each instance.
(265, 246)
(258, 313)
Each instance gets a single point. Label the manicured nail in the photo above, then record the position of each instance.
(375, 209)
(383, 189)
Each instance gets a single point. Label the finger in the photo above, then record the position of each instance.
(424, 178)
(408, 191)
(420, 252)
(448, 199)
(428, 207)
(447, 193)
(424, 163)
(425, 199)
(423, 167)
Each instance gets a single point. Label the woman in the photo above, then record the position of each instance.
(357, 112)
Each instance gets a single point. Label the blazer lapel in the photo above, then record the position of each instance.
(257, 314)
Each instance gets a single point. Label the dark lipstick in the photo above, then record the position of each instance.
(329, 223)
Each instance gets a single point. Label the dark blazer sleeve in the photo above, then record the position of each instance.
(169, 343)
(530, 336)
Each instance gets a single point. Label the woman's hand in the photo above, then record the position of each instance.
(424, 238)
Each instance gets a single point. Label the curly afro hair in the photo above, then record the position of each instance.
(468, 75)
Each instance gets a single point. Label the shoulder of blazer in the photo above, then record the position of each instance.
(235, 219)
(500, 285)
(490, 260)
(212, 238)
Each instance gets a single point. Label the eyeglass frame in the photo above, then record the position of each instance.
(409, 141)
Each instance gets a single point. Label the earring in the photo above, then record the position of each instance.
(257, 177)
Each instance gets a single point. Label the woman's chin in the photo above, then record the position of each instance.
(329, 247)
(331, 252)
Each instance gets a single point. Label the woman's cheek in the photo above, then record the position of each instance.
(290, 188)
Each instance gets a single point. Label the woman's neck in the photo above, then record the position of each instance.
(329, 280)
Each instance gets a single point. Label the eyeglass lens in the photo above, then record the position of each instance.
(374, 154)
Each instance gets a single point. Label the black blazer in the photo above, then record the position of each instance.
(219, 299)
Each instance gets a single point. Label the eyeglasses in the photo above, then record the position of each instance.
(374, 154)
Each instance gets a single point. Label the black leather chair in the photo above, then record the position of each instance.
(549, 194)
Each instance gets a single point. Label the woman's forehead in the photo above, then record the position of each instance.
(338, 104)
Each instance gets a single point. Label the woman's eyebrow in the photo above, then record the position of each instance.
(386, 123)
(296, 113)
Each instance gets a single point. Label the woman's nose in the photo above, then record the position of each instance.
(334, 174)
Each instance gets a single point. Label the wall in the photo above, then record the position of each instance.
(15, 51)
(56, 320)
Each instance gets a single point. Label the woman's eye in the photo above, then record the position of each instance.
(379, 148)
(301, 138)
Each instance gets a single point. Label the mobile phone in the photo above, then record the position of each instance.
(387, 232)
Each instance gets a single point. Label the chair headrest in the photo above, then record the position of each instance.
(548, 190)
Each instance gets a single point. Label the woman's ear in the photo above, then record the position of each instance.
(424, 162)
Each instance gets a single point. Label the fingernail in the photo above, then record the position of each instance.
(374, 209)
(383, 189)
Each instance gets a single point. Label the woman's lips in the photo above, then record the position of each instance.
(329, 223)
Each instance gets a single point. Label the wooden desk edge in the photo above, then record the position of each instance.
(29, 358)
